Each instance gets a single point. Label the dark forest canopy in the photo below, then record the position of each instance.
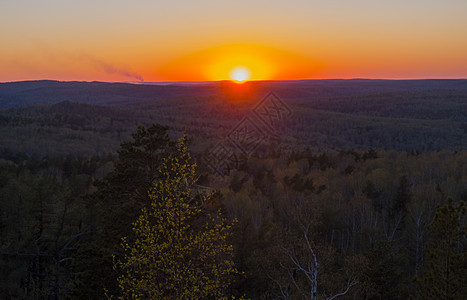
(92, 118)
(358, 191)
(368, 217)
(48, 91)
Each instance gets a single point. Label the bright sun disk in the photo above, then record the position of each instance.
(240, 74)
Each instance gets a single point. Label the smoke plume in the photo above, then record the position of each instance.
(110, 68)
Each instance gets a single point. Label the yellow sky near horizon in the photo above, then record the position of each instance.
(201, 40)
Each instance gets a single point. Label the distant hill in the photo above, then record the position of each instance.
(51, 117)
(102, 93)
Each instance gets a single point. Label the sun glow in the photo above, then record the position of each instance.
(240, 74)
(220, 63)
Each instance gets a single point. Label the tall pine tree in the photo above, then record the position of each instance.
(180, 250)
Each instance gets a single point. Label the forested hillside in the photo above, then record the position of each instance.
(358, 192)
(94, 118)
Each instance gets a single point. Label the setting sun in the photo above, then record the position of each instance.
(220, 63)
(240, 74)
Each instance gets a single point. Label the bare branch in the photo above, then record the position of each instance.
(350, 284)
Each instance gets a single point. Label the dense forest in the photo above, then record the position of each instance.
(59, 118)
(358, 193)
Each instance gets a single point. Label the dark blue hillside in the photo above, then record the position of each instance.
(102, 93)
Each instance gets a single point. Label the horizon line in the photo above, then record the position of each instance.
(135, 82)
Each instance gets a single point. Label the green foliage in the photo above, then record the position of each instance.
(136, 167)
(376, 217)
(371, 207)
(445, 274)
(385, 277)
(116, 203)
(174, 254)
(42, 220)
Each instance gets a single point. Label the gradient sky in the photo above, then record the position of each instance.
(154, 40)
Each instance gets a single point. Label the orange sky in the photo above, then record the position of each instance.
(202, 40)
(264, 63)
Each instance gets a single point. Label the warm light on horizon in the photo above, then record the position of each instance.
(151, 41)
(240, 74)
(217, 63)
